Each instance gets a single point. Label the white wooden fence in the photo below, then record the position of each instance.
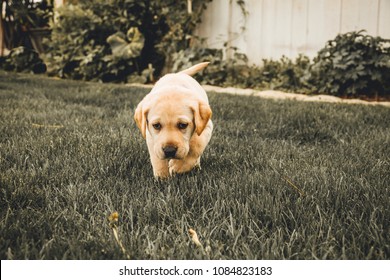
(273, 28)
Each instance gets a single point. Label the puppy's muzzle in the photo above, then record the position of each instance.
(169, 152)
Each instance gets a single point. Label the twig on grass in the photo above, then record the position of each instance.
(289, 181)
(46, 126)
(194, 237)
(201, 252)
(113, 219)
(293, 185)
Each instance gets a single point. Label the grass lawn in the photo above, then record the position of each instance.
(279, 180)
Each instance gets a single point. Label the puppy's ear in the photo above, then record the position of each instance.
(202, 114)
(140, 117)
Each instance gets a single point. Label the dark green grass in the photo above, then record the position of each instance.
(60, 180)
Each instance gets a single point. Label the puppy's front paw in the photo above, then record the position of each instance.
(173, 166)
(177, 166)
(161, 175)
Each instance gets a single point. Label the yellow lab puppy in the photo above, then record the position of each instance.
(175, 120)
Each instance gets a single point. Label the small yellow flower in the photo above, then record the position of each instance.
(114, 217)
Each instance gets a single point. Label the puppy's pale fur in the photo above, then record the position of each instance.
(175, 120)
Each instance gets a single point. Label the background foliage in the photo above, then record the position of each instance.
(18, 17)
(353, 64)
(138, 41)
(22, 59)
(86, 36)
(284, 74)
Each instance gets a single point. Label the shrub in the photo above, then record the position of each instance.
(117, 40)
(19, 17)
(283, 74)
(22, 59)
(221, 72)
(353, 64)
(79, 48)
(286, 74)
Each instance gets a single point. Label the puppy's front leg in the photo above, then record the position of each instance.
(160, 167)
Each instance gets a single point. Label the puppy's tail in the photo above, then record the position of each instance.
(195, 69)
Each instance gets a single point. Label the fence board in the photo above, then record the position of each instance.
(283, 33)
(299, 27)
(215, 24)
(316, 26)
(267, 18)
(253, 33)
(384, 18)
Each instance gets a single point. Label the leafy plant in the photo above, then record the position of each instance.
(181, 25)
(22, 59)
(283, 74)
(126, 46)
(88, 41)
(353, 64)
(286, 74)
(221, 71)
(18, 17)
(79, 49)
(29, 13)
(213, 74)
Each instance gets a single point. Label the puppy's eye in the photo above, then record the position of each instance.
(156, 126)
(182, 125)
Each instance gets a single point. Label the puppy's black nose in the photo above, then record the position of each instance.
(170, 151)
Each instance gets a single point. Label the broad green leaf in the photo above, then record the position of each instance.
(127, 46)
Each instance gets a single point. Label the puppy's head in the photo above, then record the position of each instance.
(169, 119)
